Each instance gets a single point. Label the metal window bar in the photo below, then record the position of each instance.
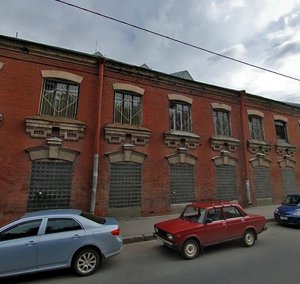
(256, 129)
(180, 117)
(222, 123)
(128, 108)
(60, 98)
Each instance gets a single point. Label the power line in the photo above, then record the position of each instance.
(177, 40)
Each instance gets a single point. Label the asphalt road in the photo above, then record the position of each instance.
(273, 259)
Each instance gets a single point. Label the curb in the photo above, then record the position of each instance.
(150, 237)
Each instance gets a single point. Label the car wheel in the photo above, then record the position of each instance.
(86, 262)
(190, 249)
(248, 239)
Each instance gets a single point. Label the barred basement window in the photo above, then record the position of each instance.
(128, 108)
(256, 128)
(180, 116)
(60, 98)
(222, 123)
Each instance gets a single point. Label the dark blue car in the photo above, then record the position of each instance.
(289, 212)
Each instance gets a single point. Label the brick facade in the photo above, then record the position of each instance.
(164, 158)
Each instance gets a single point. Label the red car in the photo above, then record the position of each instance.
(206, 223)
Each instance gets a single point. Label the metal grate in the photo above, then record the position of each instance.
(50, 185)
(125, 185)
(226, 182)
(262, 182)
(60, 98)
(289, 181)
(182, 183)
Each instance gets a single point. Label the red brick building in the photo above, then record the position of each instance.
(83, 131)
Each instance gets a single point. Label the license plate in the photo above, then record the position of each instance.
(283, 218)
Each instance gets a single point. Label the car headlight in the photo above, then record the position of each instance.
(155, 229)
(296, 213)
(276, 211)
(170, 237)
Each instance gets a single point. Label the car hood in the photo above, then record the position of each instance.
(286, 209)
(177, 225)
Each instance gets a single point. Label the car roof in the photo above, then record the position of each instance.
(52, 212)
(214, 203)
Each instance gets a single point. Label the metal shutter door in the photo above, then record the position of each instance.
(262, 182)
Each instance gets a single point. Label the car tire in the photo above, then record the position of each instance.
(248, 240)
(190, 249)
(86, 262)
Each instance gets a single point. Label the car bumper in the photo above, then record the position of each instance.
(286, 220)
(165, 242)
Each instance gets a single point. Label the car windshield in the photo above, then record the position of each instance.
(93, 217)
(292, 200)
(193, 213)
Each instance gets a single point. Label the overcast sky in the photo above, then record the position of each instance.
(261, 32)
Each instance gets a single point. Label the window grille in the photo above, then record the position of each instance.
(222, 123)
(128, 109)
(180, 116)
(256, 128)
(281, 131)
(60, 98)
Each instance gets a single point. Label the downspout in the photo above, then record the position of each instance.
(244, 143)
(97, 136)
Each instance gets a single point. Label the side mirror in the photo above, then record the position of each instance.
(208, 220)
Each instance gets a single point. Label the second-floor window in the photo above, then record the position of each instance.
(221, 120)
(59, 98)
(180, 116)
(281, 131)
(256, 128)
(128, 108)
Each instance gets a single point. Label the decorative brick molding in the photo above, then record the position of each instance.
(219, 143)
(118, 133)
(287, 162)
(1, 65)
(176, 139)
(260, 161)
(175, 97)
(128, 87)
(283, 148)
(224, 159)
(255, 146)
(53, 150)
(127, 155)
(43, 127)
(221, 106)
(181, 157)
(62, 75)
(255, 112)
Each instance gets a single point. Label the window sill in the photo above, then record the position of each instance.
(41, 126)
(257, 146)
(283, 148)
(175, 139)
(117, 134)
(219, 143)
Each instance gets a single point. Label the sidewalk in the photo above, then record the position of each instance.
(141, 228)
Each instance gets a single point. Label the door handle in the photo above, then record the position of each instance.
(31, 244)
(75, 237)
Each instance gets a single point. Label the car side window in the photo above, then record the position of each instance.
(215, 214)
(231, 212)
(57, 225)
(22, 230)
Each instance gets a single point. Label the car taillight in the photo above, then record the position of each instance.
(116, 232)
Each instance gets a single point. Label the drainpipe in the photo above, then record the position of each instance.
(101, 61)
(244, 145)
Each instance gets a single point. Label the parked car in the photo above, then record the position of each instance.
(58, 238)
(207, 223)
(289, 212)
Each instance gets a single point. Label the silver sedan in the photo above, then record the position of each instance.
(58, 238)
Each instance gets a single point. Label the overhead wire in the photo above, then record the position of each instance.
(177, 40)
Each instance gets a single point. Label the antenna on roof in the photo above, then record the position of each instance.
(17, 34)
(96, 49)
